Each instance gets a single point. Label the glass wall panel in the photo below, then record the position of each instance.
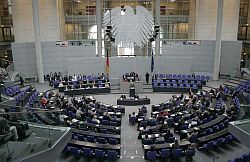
(6, 31)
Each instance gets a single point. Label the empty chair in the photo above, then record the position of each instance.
(91, 139)
(177, 153)
(151, 155)
(170, 140)
(174, 76)
(105, 122)
(113, 141)
(209, 131)
(99, 153)
(169, 85)
(210, 145)
(238, 159)
(198, 77)
(165, 153)
(183, 76)
(111, 154)
(215, 128)
(87, 151)
(113, 123)
(67, 149)
(190, 153)
(195, 86)
(75, 151)
(101, 140)
(155, 84)
(103, 130)
(227, 139)
(219, 142)
(80, 137)
(246, 157)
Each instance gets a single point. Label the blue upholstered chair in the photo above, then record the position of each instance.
(189, 154)
(151, 155)
(113, 141)
(165, 153)
(177, 153)
(87, 152)
(75, 151)
(210, 145)
(101, 140)
(99, 153)
(112, 154)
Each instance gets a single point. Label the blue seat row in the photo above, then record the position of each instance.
(11, 91)
(156, 84)
(243, 158)
(219, 142)
(89, 152)
(94, 139)
(166, 153)
(183, 76)
(243, 86)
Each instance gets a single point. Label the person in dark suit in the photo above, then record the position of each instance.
(21, 81)
(147, 77)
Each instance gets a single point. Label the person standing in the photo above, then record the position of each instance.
(21, 81)
(147, 77)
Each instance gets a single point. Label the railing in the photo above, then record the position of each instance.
(10, 68)
(35, 139)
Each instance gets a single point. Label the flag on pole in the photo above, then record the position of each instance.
(107, 63)
(152, 62)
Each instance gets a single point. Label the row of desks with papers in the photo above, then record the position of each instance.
(157, 147)
(95, 145)
(213, 136)
(82, 91)
(104, 135)
(182, 144)
(114, 129)
(209, 124)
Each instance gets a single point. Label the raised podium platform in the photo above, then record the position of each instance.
(125, 86)
(133, 102)
(172, 89)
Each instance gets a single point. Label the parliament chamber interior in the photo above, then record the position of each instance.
(124, 80)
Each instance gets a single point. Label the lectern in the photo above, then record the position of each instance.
(132, 90)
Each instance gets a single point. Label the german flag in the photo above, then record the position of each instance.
(107, 64)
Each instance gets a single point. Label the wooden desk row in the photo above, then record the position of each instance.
(95, 145)
(89, 133)
(209, 124)
(182, 144)
(213, 136)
